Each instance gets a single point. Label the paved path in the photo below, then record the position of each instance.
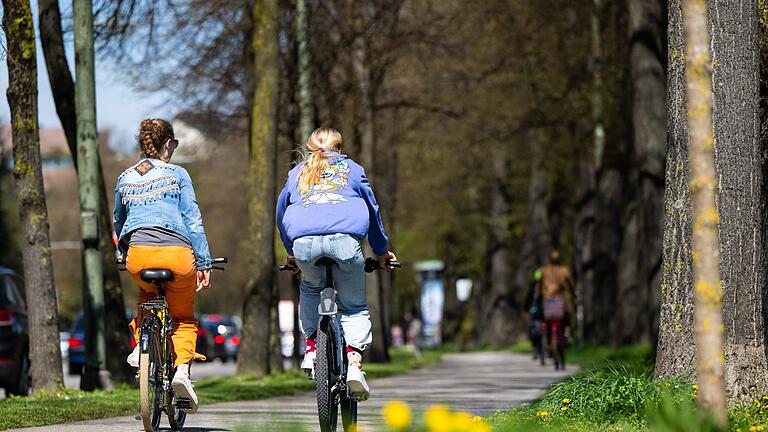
(480, 383)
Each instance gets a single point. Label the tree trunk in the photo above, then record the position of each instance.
(674, 356)
(740, 196)
(373, 286)
(59, 76)
(63, 90)
(44, 352)
(584, 232)
(254, 356)
(95, 375)
(533, 250)
(708, 294)
(305, 73)
(640, 258)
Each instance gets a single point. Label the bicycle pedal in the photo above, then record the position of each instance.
(183, 404)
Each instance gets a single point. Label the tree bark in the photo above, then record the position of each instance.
(674, 356)
(708, 294)
(63, 90)
(306, 105)
(44, 352)
(740, 197)
(379, 349)
(254, 356)
(59, 76)
(640, 258)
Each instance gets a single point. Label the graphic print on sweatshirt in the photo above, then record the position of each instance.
(335, 177)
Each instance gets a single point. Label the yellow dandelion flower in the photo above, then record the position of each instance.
(397, 414)
(542, 414)
(695, 387)
(564, 409)
(439, 419)
(462, 421)
(566, 401)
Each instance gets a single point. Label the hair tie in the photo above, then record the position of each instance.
(320, 149)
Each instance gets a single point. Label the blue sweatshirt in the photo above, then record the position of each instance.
(342, 203)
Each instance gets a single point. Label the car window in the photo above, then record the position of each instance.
(9, 294)
(18, 289)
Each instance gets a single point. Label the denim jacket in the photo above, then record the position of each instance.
(153, 193)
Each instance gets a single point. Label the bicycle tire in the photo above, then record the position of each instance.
(327, 409)
(148, 389)
(176, 417)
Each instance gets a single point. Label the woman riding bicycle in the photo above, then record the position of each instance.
(159, 226)
(326, 209)
(557, 301)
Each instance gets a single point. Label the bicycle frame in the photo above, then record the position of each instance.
(157, 318)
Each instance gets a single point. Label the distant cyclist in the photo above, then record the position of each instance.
(557, 300)
(159, 225)
(326, 209)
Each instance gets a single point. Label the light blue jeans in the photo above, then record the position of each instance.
(349, 280)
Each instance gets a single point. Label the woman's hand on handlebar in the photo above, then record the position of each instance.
(203, 279)
(385, 259)
(291, 263)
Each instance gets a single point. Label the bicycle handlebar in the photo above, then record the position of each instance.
(120, 261)
(371, 265)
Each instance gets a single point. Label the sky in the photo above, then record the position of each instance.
(119, 107)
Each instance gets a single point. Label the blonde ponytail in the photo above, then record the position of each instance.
(322, 140)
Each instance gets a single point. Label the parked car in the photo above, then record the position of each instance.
(14, 335)
(218, 336)
(76, 344)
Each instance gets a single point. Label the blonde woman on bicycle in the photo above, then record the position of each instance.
(159, 225)
(326, 209)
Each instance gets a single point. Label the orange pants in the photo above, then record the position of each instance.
(180, 293)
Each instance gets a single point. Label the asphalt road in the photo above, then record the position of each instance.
(480, 383)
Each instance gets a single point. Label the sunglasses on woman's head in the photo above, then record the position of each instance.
(174, 142)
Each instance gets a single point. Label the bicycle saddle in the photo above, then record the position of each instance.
(326, 261)
(156, 275)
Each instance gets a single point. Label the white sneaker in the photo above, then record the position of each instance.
(133, 357)
(182, 386)
(308, 363)
(356, 377)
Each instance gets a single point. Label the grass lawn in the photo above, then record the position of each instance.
(72, 405)
(615, 391)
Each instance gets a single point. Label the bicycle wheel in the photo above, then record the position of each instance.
(348, 413)
(176, 417)
(150, 385)
(327, 404)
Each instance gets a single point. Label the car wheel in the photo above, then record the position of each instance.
(20, 386)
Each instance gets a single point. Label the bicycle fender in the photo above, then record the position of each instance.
(328, 302)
